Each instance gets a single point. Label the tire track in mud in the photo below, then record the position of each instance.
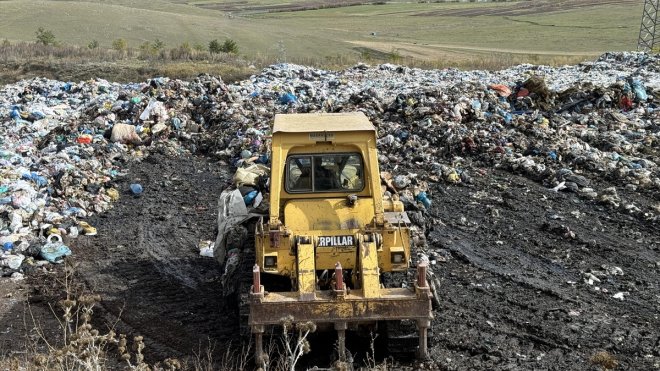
(145, 264)
(523, 303)
(533, 271)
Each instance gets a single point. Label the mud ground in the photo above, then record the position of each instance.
(512, 264)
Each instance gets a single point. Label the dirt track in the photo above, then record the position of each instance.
(145, 260)
(515, 8)
(513, 282)
(525, 8)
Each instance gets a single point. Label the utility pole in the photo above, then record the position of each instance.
(648, 30)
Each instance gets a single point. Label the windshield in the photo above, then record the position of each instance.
(324, 173)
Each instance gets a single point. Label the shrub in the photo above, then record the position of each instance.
(45, 37)
(183, 51)
(158, 44)
(120, 45)
(93, 44)
(604, 360)
(146, 50)
(229, 46)
(215, 47)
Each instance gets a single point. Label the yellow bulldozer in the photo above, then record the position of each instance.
(333, 235)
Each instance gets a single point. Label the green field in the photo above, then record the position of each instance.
(271, 29)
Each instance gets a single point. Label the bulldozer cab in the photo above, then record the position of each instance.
(323, 156)
(312, 173)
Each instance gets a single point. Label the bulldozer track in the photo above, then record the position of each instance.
(247, 261)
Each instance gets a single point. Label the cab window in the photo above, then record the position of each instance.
(324, 173)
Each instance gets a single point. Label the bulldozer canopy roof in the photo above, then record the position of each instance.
(316, 122)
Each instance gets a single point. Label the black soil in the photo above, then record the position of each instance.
(145, 260)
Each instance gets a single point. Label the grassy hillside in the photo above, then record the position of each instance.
(577, 31)
(264, 29)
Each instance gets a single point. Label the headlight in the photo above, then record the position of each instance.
(270, 262)
(397, 257)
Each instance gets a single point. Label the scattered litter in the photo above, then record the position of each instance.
(620, 295)
(88, 230)
(590, 279)
(136, 189)
(206, 248)
(12, 261)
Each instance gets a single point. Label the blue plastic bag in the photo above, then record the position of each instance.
(639, 90)
(39, 180)
(249, 197)
(54, 250)
(38, 115)
(421, 197)
(288, 98)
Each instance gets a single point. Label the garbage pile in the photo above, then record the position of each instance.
(62, 144)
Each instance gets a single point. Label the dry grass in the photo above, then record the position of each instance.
(75, 343)
(26, 52)
(74, 63)
(605, 360)
(485, 61)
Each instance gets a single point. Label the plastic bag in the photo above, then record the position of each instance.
(640, 91)
(124, 133)
(249, 175)
(502, 90)
(13, 261)
(54, 250)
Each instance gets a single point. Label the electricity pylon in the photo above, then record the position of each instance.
(648, 30)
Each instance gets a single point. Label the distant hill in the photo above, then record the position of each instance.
(328, 29)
